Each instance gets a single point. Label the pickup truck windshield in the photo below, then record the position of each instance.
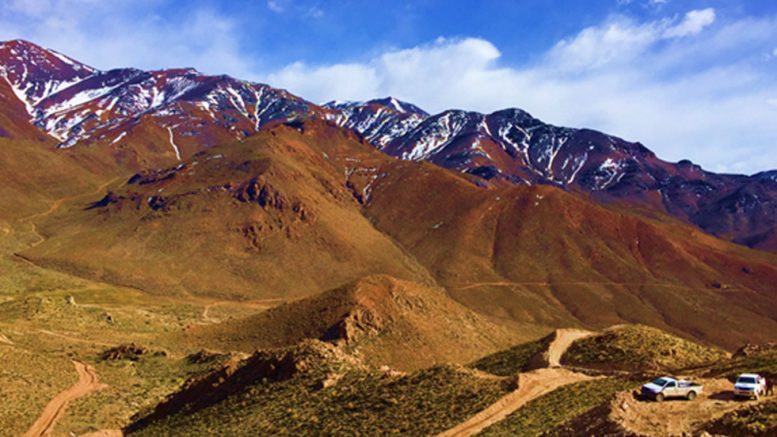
(660, 382)
(746, 380)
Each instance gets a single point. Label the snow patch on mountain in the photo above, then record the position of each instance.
(172, 143)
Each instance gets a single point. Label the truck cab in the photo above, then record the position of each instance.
(667, 387)
(750, 385)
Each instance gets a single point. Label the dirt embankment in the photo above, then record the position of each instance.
(675, 417)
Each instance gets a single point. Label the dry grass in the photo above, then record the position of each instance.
(28, 380)
(754, 421)
(512, 361)
(422, 403)
(640, 348)
(556, 408)
(383, 320)
(134, 385)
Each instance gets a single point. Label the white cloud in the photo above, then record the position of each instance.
(615, 41)
(30, 7)
(693, 23)
(620, 40)
(341, 81)
(314, 12)
(655, 4)
(275, 6)
(123, 33)
(626, 78)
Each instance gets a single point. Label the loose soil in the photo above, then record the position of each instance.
(676, 417)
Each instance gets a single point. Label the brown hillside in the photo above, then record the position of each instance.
(384, 320)
(540, 255)
(283, 215)
(34, 174)
(271, 217)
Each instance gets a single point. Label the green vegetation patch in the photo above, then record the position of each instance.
(28, 381)
(511, 361)
(637, 347)
(764, 363)
(559, 406)
(756, 421)
(360, 403)
(133, 385)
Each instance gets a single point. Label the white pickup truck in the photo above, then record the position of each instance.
(750, 385)
(667, 387)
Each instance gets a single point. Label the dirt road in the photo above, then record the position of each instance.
(104, 433)
(87, 383)
(564, 339)
(531, 385)
(475, 285)
(259, 304)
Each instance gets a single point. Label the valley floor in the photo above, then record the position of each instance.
(123, 344)
(51, 322)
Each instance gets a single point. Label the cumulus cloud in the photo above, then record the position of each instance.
(627, 78)
(340, 81)
(620, 39)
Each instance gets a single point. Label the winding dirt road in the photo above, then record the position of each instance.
(564, 339)
(87, 383)
(531, 385)
(105, 433)
(258, 303)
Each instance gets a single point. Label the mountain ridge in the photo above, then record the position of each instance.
(151, 119)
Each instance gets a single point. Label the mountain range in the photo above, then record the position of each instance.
(219, 256)
(187, 112)
(212, 186)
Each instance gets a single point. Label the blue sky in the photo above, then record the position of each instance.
(688, 78)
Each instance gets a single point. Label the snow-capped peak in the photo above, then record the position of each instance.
(36, 73)
(74, 102)
(398, 106)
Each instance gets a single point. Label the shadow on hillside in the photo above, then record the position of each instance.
(726, 395)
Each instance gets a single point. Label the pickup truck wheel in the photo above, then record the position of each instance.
(660, 397)
(691, 395)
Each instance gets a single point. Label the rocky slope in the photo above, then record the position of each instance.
(273, 216)
(385, 321)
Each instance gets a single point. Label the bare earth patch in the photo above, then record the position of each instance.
(676, 417)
